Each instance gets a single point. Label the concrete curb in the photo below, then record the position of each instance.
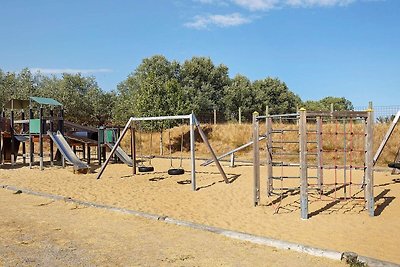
(330, 254)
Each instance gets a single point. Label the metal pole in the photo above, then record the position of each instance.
(133, 149)
(256, 160)
(240, 115)
(127, 126)
(320, 168)
(369, 171)
(192, 152)
(215, 116)
(303, 164)
(214, 157)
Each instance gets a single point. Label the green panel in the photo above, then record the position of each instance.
(45, 101)
(34, 126)
(109, 135)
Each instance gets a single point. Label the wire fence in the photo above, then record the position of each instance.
(383, 114)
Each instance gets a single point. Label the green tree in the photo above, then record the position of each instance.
(153, 89)
(71, 90)
(203, 85)
(339, 103)
(276, 95)
(239, 94)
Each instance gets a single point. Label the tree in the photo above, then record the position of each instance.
(339, 103)
(152, 90)
(276, 95)
(239, 94)
(203, 84)
(72, 90)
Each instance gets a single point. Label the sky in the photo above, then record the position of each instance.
(319, 48)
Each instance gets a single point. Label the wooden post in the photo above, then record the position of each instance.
(240, 115)
(256, 160)
(13, 156)
(133, 149)
(320, 168)
(303, 164)
(88, 156)
(215, 116)
(84, 150)
(23, 143)
(232, 162)
(41, 128)
(61, 129)
(268, 150)
(51, 140)
(100, 141)
(369, 171)
(161, 143)
(31, 143)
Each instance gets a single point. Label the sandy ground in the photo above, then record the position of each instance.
(38, 231)
(341, 226)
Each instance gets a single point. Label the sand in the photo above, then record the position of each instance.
(342, 226)
(41, 232)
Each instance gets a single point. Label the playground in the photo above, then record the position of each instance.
(353, 208)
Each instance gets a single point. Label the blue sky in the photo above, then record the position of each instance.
(320, 48)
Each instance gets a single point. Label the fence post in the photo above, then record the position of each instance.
(268, 150)
(215, 116)
(256, 160)
(369, 171)
(303, 164)
(240, 115)
(320, 171)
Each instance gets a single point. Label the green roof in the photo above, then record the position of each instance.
(45, 101)
(17, 104)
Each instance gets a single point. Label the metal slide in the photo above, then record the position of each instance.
(121, 154)
(67, 152)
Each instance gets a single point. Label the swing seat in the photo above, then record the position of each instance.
(145, 168)
(394, 165)
(176, 171)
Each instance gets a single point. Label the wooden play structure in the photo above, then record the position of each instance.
(132, 126)
(297, 141)
(37, 128)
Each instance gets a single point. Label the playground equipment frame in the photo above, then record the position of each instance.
(193, 123)
(301, 117)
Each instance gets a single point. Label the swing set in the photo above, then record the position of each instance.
(146, 165)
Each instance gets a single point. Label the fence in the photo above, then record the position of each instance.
(382, 114)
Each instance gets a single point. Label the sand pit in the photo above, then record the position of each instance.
(342, 226)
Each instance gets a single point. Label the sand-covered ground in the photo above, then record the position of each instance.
(40, 232)
(341, 226)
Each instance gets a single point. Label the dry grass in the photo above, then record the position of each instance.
(225, 137)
